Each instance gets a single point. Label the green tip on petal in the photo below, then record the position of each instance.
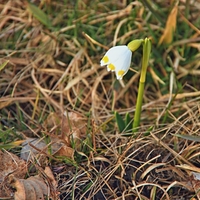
(135, 44)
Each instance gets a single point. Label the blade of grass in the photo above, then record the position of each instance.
(39, 14)
(3, 65)
(195, 138)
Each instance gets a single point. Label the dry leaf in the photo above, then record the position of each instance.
(10, 164)
(35, 148)
(65, 151)
(195, 180)
(170, 27)
(67, 126)
(28, 152)
(62, 129)
(50, 175)
(59, 124)
(53, 123)
(77, 126)
(33, 188)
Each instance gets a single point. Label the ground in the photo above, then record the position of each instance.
(58, 103)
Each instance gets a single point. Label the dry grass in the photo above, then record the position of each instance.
(56, 69)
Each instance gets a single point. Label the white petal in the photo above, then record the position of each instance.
(122, 64)
(114, 54)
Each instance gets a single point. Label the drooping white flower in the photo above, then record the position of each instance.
(117, 59)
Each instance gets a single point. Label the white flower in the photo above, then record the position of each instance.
(117, 59)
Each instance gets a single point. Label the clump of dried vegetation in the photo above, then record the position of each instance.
(53, 89)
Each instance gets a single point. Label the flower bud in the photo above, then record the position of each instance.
(135, 44)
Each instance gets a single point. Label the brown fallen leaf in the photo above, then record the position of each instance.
(10, 164)
(33, 188)
(67, 127)
(195, 180)
(65, 151)
(66, 124)
(50, 175)
(170, 27)
(28, 152)
(39, 187)
(62, 131)
(76, 125)
(35, 148)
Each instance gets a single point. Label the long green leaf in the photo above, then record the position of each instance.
(39, 15)
(128, 122)
(120, 122)
(189, 137)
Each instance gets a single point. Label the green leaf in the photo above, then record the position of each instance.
(11, 144)
(120, 122)
(189, 137)
(128, 122)
(39, 14)
(3, 65)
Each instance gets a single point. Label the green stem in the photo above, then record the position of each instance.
(138, 109)
(145, 60)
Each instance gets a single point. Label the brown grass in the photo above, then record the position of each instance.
(57, 69)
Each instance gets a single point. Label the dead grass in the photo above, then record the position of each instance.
(55, 68)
